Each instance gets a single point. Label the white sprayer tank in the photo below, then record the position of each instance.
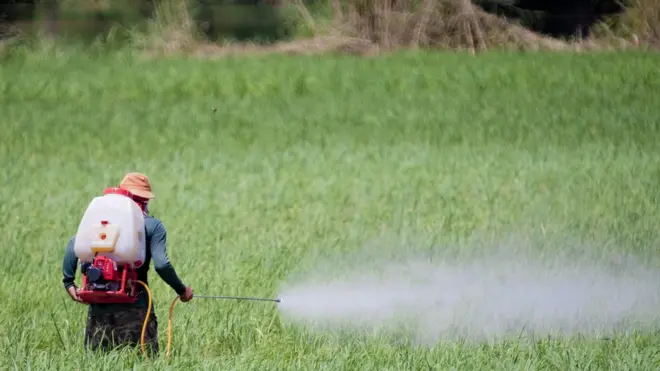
(112, 226)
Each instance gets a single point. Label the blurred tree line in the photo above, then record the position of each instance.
(266, 20)
(87, 19)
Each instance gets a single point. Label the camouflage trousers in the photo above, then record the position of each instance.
(120, 328)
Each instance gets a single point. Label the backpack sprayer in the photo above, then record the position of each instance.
(110, 259)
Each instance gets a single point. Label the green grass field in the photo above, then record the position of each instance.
(305, 157)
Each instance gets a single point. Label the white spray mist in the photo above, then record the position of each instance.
(505, 291)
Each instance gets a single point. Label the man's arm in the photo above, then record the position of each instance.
(69, 265)
(162, 263)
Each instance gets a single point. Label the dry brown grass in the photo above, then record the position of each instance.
(172, 31)
(325, 44)
(445, 24)
(370, 27)
(640, 24)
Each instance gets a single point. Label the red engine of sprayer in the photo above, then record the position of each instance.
(102, 280)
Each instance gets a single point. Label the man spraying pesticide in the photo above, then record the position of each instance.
(115, 243)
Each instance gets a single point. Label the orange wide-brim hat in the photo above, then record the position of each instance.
(138, 184)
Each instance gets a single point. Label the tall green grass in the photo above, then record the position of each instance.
(261, 164)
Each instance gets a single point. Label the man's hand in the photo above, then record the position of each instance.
(187, 296)
(73, 293)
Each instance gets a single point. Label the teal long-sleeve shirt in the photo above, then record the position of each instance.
(156, 238)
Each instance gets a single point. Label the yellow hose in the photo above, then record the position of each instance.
(146, 318)
(146, 321)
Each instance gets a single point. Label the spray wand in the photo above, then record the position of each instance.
(236, 298)
(169, 322)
